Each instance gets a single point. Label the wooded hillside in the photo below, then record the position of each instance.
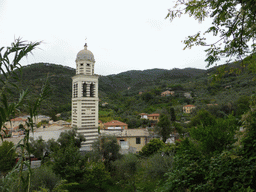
(121, 91)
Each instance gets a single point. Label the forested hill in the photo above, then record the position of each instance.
(34, 75)
(142, 80)
(126, 84)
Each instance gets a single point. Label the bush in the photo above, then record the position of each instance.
(152, 147)
(7, 156)
(44, 177)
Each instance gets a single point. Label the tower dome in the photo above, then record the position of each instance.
(85, 55)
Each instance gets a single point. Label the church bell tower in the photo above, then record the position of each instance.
(85, 98)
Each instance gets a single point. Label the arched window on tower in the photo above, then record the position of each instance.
(84, 89)
(92, 90)
(81, 68)
(88, 69)
(75, 90)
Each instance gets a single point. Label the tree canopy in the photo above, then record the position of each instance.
(163, 127)
(233, 21)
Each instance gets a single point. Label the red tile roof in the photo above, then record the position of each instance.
(154, 115)
(189, 106)
(18, 119)
(114, 122)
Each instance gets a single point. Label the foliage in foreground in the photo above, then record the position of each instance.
(7, 157)
(230, 168)
(233, 22)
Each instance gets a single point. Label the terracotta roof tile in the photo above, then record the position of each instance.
(154, 115)
(114, 122)
(18, 119)
(189, 106)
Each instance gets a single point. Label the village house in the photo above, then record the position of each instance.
(188, 108)
(15, 122)
(130, 140)
(59, 123)
(13, 127)
(100, 124)
(187, 95)
(115, 125)
(38, 118)
(104, 104)
(154, 117)
(211, 105)
(143, 115)
(167, 93)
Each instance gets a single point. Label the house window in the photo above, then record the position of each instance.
(81, 64)
(137, 140)
(88, 65)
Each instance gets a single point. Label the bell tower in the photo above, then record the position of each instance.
(85, 98)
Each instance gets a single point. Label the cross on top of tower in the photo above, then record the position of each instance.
(85, 45)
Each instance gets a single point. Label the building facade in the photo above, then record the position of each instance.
(188, 108)
(85, 98)
(130, 140)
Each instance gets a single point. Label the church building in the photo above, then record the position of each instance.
(85, 98)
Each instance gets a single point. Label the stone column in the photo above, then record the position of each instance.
(88, 89)
(93, 93)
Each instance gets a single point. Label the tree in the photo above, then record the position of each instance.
(152, 147)
(233, 22)
(249, 123)
(125, 170)
(147, 96)
(242, 105)
(7, 156)
(152, 170)
(69, 163)
(44, 178)
(202, 117)
(96, 176)
(179, 128)
(216, 136)
(163, 127)
(172, 113)
(107, 149)
(37, 147)
(70, 136)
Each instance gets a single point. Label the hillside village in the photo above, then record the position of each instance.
(130, 139)
(173, 94)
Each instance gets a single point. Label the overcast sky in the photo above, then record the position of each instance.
(123, 35)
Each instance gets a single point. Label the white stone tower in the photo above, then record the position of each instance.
(85, 98)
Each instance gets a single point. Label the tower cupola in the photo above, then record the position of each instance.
(85, 62)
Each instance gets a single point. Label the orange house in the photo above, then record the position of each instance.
(188, 108)
(154, 117)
